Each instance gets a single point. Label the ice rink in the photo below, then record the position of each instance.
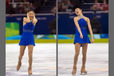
(44, 60)
(97, 60)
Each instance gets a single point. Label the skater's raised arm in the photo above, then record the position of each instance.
(78, 27)
(90, 29)
(35, 20)
(24, 20)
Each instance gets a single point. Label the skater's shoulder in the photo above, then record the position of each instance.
(87, 18)
(76, 18)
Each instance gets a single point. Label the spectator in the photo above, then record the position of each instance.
(104, 6)
(21, 6)
(29, 7)
(69, 6)
(60, 9)
(54, 10)
(52, 26)
(96, 6)
(96, 25)
(9, 8)
(76, 4)
(65, 5)
(100, 6)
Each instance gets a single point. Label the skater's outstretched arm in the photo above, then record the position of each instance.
(90, 29)
(24, 20)
(34, 20)
(78, 27)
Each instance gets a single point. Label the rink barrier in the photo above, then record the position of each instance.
(67, 26)
(59, 41)
(42, 26)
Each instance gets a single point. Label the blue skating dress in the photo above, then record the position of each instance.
(83, 26)
(27, 36)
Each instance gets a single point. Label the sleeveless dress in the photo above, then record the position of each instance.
(27, 36)
(83, 26)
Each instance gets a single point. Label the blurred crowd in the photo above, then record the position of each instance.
(87, 5)
(22, 6)
(100, 6)
(47, 6)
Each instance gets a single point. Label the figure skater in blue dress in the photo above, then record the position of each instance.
(81, 39)
(27, 39)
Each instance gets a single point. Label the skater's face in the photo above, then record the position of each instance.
(31, 15)
(78, 11)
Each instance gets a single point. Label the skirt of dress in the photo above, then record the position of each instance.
(85, 39)
(27, 40)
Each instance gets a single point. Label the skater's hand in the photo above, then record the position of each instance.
(92, 40)
(25, 20)
(81, 36)
(34, 20)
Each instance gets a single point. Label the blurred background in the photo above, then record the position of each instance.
(45, 10)
(96, 10)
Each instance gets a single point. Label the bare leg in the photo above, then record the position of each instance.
(22, 50)
(84, 52)
(77, 51)
(30, 51)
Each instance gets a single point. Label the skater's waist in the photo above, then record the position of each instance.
(27, 30)
(26, 33)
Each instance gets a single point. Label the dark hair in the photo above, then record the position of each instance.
(78, 8)
(30, 11)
